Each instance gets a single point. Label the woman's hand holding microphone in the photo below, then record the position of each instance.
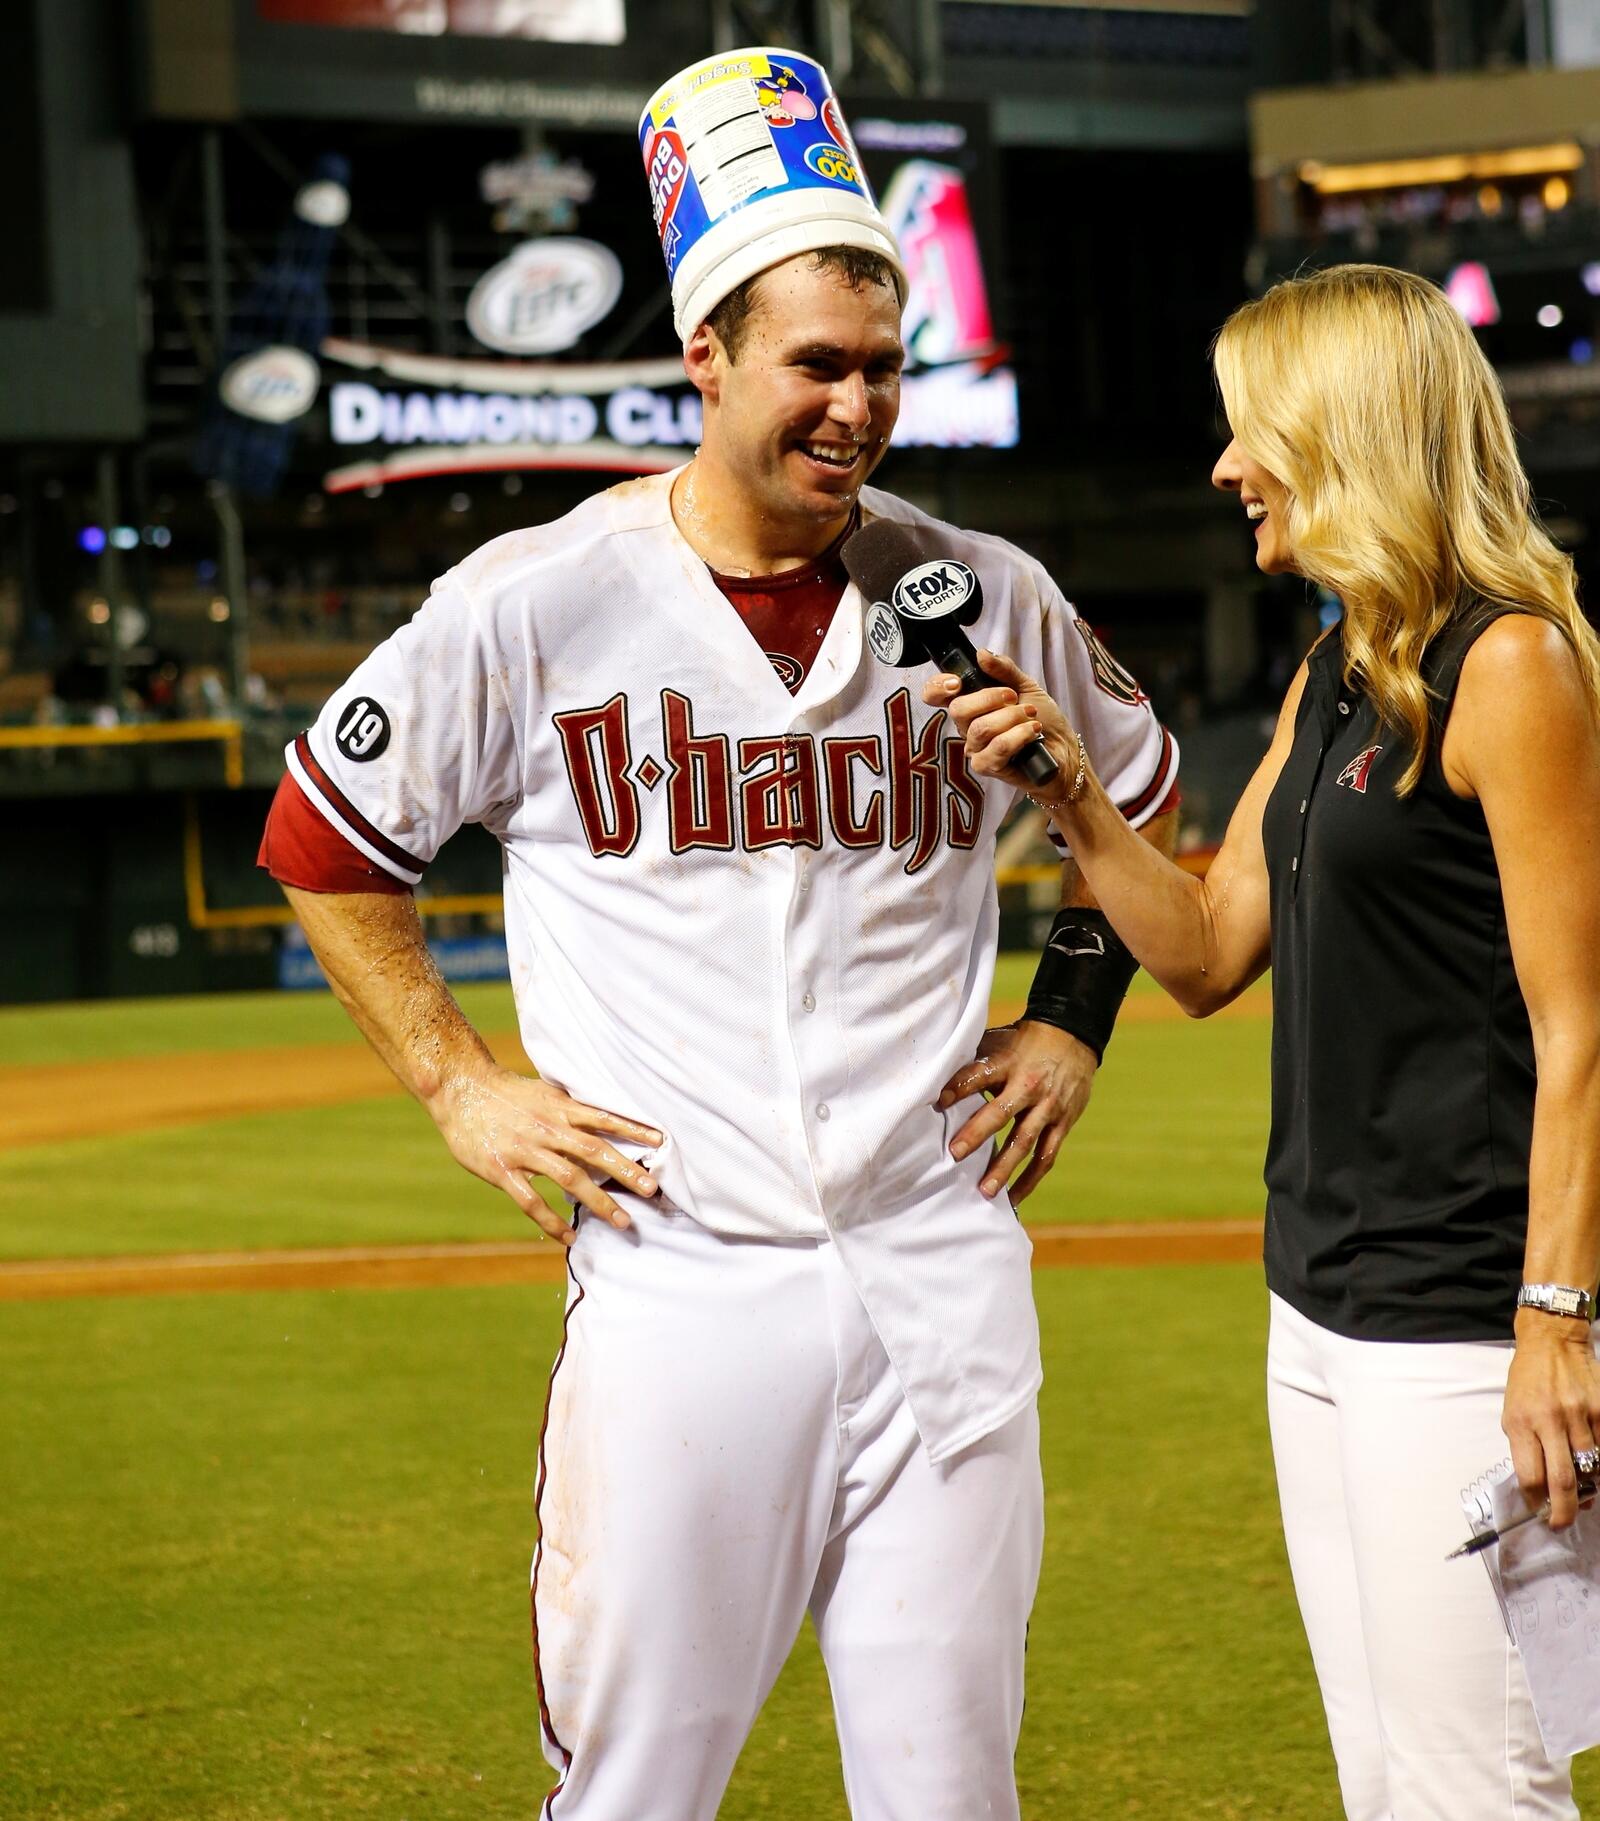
(997, 723)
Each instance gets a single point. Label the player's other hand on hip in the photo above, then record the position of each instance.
(508, 1128)
(1038, 1080)
(996, 724)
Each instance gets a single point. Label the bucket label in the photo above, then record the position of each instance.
(736, 128)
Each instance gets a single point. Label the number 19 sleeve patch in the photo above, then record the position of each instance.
(363, 730)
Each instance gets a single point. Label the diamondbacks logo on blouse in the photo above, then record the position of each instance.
(1109, 675)
(1356, 773)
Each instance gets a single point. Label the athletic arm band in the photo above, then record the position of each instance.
(1082, 978)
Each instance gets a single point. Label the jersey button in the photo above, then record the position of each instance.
(1294, 864)
(822, 1112)
(1344, 708)
(808, 1003)
(1303, 802)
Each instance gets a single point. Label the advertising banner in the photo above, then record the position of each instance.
(553, 21)
(420, 415)
(588, 63)
(463, 958)
(394, 414)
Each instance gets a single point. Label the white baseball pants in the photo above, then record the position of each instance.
(726, 1446)
(1427, 1704)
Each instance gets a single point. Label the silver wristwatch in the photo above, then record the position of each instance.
(1557, 1299)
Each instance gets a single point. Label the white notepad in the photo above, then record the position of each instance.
(1548, 1586)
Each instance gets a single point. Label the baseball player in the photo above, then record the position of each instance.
(751, 920)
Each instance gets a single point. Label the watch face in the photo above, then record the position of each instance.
(1556, 1299)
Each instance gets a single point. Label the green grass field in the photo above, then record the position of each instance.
(374, 1171)
(267, 1557)
(264, 1557)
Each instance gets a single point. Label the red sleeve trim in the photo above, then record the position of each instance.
(1141, 803)
(342, 806)
(1169, 802)
(301, 847)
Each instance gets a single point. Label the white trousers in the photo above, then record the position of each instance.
(725, 1447)
(1427, 1705)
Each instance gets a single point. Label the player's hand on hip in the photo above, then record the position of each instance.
(1552, 1408)
(507, 1128)
(995, 724)
(1038, 1080)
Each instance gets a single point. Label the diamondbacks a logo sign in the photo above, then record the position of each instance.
(1355, 774)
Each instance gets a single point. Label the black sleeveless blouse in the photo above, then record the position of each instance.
(1402, 1059)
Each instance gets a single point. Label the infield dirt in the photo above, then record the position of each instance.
(537, 1262)
(53, 1103)
(61, 1102)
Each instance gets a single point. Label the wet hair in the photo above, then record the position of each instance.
(855, 266)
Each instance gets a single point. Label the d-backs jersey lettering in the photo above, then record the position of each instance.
(764, 922)
(907, 786)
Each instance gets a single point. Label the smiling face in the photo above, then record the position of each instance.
(1265, 500)
(800, 413)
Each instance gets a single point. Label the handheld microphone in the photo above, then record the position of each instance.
(919, 602)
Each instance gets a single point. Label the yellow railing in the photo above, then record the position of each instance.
(1196, 861)
(228, 734)
(267, 916)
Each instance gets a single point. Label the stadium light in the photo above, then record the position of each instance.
(1450, 167)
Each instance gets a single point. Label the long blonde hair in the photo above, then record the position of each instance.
(1362, 390)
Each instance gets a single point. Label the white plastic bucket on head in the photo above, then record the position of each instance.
(750, 162)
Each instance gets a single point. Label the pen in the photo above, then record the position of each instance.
(1475, 1545)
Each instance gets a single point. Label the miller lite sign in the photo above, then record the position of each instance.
(273, 385)
(544, 296)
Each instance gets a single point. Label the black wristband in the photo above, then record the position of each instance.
(1082, 978)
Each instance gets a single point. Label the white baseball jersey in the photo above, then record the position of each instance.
(764, 923)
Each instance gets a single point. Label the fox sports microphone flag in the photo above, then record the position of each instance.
(918, 603)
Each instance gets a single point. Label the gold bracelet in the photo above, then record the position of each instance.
(1074, 791)
(1081, 777)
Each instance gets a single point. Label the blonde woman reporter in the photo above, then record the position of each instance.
(1418, 859)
